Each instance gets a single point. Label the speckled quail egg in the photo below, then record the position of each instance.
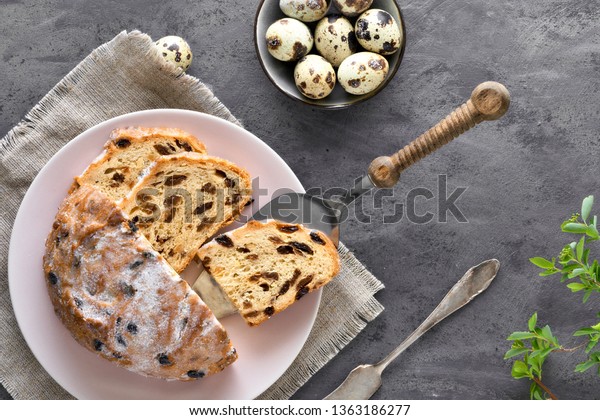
(314, 76)
(378, 31)
(289, 39)
(175, 50)
(335, 39)
(362, 72)
(352, 7)
(305, 10)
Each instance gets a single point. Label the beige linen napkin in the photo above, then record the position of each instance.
(124, 75)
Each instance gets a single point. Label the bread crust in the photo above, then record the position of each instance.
(116, 178)
(119, 299)
(275, 264)
(139, 134)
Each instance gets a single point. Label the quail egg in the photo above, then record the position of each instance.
(288, 39)
(335, 39)
(314, 76)
(305, 10)
(378, 31)
(352, 7)
(362, 72)
(175, 50)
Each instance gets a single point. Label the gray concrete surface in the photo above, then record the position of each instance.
(523, 175)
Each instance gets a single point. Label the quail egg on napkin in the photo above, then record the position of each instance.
(175, 50)
(289, 39)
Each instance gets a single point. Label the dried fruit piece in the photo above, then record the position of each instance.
(163, 359)
(225, 241)
(196, 374)
(288, 228)
(302, 247)
(285, 249)
(317, 238)
(122, 143)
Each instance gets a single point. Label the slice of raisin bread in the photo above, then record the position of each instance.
(185, 199)
(122, 301)
(131, 150)
(264, 267)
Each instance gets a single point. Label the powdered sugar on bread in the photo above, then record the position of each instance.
(121, 300)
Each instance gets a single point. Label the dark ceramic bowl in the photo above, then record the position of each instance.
(282, 73)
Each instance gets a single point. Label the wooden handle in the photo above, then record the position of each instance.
(489, 101)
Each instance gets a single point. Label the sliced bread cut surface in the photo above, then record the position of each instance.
(185, 199)
(264, 267)
(120, 299)
(131, 150)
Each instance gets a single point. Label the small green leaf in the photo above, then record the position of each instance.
(574, 228)
(532, 321)
(592, 232)
(545, 353)
(520, 370)
(591, 345)
(547, 333)
(514, 352)
(520, 335)
(569, 267)
(580, 247)
(584, 331)
(582, 367)
(549, 272)
(535, 392)
(576, 272)
(542, 262)
(586, 256)
(587, 296)
(576, 287)
(586, 207)
(536, 366)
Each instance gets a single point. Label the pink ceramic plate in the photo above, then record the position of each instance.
(265, 352)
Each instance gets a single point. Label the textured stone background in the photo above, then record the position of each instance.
(524, 173)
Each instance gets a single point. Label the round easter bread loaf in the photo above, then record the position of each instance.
(121, 300)
(264, 267)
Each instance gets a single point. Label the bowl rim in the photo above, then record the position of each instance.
(360, 98)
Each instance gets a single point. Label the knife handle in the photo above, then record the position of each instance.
(489, 101)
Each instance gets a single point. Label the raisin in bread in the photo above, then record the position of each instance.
(121, 300)
(265, 267)
(185, 199)
(131, 150)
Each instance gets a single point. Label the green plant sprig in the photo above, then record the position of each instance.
(573, 259)
(535, 345)
(573, 263)
(593, 335)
